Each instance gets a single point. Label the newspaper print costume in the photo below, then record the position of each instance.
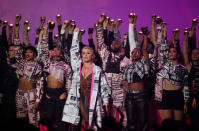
(156, 66)
(25, 100)
(100, 90)
(114, 79)
(177, 75)
(58, 69)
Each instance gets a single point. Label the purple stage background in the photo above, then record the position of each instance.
(177, 13)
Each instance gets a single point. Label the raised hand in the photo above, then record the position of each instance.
(82, 32)
(65, 25)
(17, 18)
(26, 25)
(111, 25)
(72, 22)
(106, 21)
(5, 23)
(158, 20)
(101, 19)
(176, 34)
(44, 31)
(186, 35)
(58, 18)
(10, 29)
(51, 25)
(76, 30)
(132, 18)
(71, 28)
(153, 19)
(118, 23)
(42, 20)
(194, 23)
(90, 30)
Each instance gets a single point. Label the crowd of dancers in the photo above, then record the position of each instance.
(139, 83)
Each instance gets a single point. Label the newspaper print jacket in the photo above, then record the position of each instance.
(30, 71)
(56, 68)
(114, 80)
(176, 74)
(100, 90)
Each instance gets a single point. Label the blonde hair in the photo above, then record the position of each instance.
(88, 47)
(91, 49)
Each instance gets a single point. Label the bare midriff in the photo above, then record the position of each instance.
(52, 82)
(136, 86)
(25, 84)
(169, 86)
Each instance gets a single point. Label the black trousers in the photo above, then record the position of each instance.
(137, 111)
(53, 112)
(8, 108)
(194, 114)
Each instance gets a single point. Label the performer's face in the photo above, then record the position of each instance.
(56, 53)
(87, 55)
(29, 55)
(11, 52)
(115, 46)
(136, 54)
(173, 54)
(195, 55)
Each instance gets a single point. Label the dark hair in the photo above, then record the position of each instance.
(32, 48)
(180, 58)
(10, 45)
(141, 52)
(195, 49)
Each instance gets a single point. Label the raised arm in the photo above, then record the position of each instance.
(38, 30)
(66, 42)
(152, 32)
(74, 51)
(17, 27)
(45, 57)
(3, 50)
(192, 36)
(110, 37)
(185, 51)
(126, 45)
(117, 34)
(4, 35)
(105, 31)
(175, 38)
(59, 23)
(50, 34)
(101, 46)
(164, 48)
(17, 43)
(144, 48)
(132, 22)
(26, 29)
(90, 38)
(10, 32)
